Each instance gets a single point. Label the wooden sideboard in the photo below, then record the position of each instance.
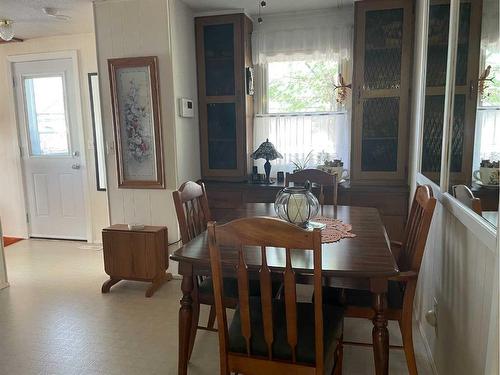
(488, 196)
(391, 201)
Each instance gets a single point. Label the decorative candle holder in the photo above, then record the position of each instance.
(297, 205)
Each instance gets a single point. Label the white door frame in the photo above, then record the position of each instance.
(73, 55)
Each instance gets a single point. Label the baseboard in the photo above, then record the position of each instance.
(428, 351)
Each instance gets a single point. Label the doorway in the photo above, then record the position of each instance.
(50, 141)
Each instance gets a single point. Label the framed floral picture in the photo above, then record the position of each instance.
(135, 99)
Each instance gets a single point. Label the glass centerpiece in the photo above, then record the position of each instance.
(297, 205)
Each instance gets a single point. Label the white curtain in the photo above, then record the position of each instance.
(295, 136)
(490, 24)
(311, 35)
(487, 135)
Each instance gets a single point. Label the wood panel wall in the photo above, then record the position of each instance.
(140, 28)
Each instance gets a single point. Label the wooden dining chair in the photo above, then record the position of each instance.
(401, 288)
(193, 214)
(315, 176)
(465, 196)
(268, 335)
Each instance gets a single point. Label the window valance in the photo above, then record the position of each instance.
(312, 35)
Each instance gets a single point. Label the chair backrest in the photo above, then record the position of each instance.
(417, 229)
(191, 206)
(466, 197)
(315, 176)
(229, 243)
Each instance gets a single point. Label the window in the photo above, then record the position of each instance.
(298, 59)
(302, 86)
(300, 113)
(46, 112)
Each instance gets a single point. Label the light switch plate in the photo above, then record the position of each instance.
(186, 107)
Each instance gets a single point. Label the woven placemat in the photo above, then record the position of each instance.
(335, 229)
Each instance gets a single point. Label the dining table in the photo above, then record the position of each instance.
(365, 258)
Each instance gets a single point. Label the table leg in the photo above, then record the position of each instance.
(108, 284)
(196, 316)
(185, 321)
(380, 334)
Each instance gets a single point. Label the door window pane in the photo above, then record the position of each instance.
(46, 116)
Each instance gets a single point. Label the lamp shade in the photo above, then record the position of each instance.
(266, 151)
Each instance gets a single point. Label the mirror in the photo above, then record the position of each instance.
(99, 148)
(475, 139)
(437, 60)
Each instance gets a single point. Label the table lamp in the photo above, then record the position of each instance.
(266, 151)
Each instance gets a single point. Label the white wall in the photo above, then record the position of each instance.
(185, 86)
(149, 28)
(460, 265)
(461, 272)
(3, 269)
(12, 208)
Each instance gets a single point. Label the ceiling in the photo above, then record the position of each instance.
(273, 6)
(31, 22)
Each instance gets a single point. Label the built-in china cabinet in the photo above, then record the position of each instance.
(381, 91)
(223, 48)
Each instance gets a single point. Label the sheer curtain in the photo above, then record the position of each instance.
(303, 36)
(488, 135)
(295, 136)
(312, 35)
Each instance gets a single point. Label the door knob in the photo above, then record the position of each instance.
(76, 166)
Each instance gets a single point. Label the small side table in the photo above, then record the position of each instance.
(139, 255)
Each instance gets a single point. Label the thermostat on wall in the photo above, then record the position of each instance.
(186, 107)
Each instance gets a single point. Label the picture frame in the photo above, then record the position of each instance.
(135, 97)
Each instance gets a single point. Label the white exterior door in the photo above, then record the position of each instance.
(46, 108)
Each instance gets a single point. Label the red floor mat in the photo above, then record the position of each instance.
(10, 240)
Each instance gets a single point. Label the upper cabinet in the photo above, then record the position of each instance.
(381, 89)
(226, 111)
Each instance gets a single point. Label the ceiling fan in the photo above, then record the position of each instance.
(54, 13)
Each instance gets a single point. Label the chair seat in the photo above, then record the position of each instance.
(230, 286)
(332, 328)
(363, 298)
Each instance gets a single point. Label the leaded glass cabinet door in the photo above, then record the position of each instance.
(383, 51)
(221, 59)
